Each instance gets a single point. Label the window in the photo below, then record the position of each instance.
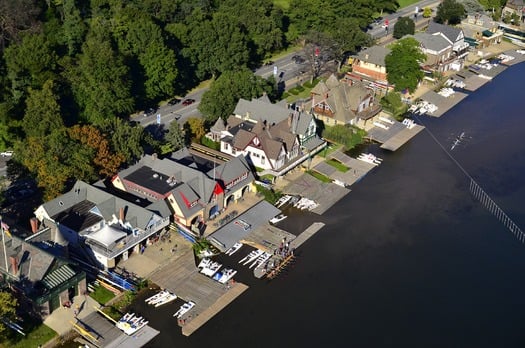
(262, 159)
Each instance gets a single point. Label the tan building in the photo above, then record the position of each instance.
(370, 62)
(339, 103)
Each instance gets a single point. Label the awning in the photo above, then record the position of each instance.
(487, 33)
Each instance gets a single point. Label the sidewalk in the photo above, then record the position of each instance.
(62, 319)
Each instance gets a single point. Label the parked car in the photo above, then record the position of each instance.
(174, 101)
(268, 63)
(188, 101)
(6, 153)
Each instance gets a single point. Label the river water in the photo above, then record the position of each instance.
(409, 258)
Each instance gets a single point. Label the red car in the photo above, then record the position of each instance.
(187, 102)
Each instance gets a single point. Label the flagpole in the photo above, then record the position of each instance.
(3, 243)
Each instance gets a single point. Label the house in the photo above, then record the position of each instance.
(481, 31)
(37, 277)
(338, 103)
(273, 137)
(103, 227)
(193, 193)
(370, 62)
(514, 7)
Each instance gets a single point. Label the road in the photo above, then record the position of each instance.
(291, 73)
(378, 30)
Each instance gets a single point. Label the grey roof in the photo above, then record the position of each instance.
(342, 98)
(219, 125)
(174, 171)
(374, 55)
(258, 215)
(449, 32)
(59, 276)
(261, 109)
(432, 42)
(33, 263)
(160, 208)
(185, 196)
(92, 204)
(234, 169)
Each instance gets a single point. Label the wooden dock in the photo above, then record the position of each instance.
(236, 290)
(401, 138)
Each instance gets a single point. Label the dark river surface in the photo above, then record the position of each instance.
(409, 258)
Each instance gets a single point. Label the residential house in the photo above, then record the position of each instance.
(273, 137)
(514, 7)
(102, 226)
(481, 31)
(40, 280)
(193, 193)
(370, 62)
(338, 103)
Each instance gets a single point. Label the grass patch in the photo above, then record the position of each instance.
(102, 295)
(405, 3)
(269, 195)
(311, 84)
(211, 144)
(319, 176)
(38, 337)
(337, 165)
(332, 147)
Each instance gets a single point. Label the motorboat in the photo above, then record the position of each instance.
(153, 299)
(166, 299)
(184, 309)
(205, 262)
(282, 201)
(130, 329)
(277, 218)
(253, 257)
(233, 249)
(369, 158)
(226, 275)
(211, 269)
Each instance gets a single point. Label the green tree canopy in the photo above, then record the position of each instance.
(404, 26)
(403, 64)
(100, 81)
(450, 12)
(224, 93)
(8, 306)
(175, 136)
(42, 114)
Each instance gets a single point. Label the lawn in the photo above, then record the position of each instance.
(319, 176)
(36, 338)
(405, 3)
(102, 295)
(337, 165)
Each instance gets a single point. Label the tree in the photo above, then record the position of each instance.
(29, 64)
(126, 139)
(175, 136)
(8, 306)
(224, 93)
(449, 12)
(106, 161)
(348, 38)
(404, 26)
(73, 26)
(392, 102)
(427, 12)
(403, 64)
(318, 50)
(100, 81)
(17, 16)
(42, 114)
(196, 127)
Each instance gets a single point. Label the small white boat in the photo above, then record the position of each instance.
(233, 249)
(369, 158)
(130, 329)
(156, 297)
(184, 309)
(277, 218)
(227, 274)
(249, 256)
(253, 257)
(282, 201)
(205, 262)
(261, 260)
(166, 299)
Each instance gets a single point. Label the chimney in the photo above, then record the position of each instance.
(14, 265)
(34, 224)
(290, 119)
(366, 56)
(154, 156)
(121, 214)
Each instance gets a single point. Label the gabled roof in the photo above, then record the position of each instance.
(174, 172)
(451, 33)
(233, 169)
(374, 55)
(515, 4)
(432, 42)
(85, 205)
(342, 98)
(261, 109)
(218, 126)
